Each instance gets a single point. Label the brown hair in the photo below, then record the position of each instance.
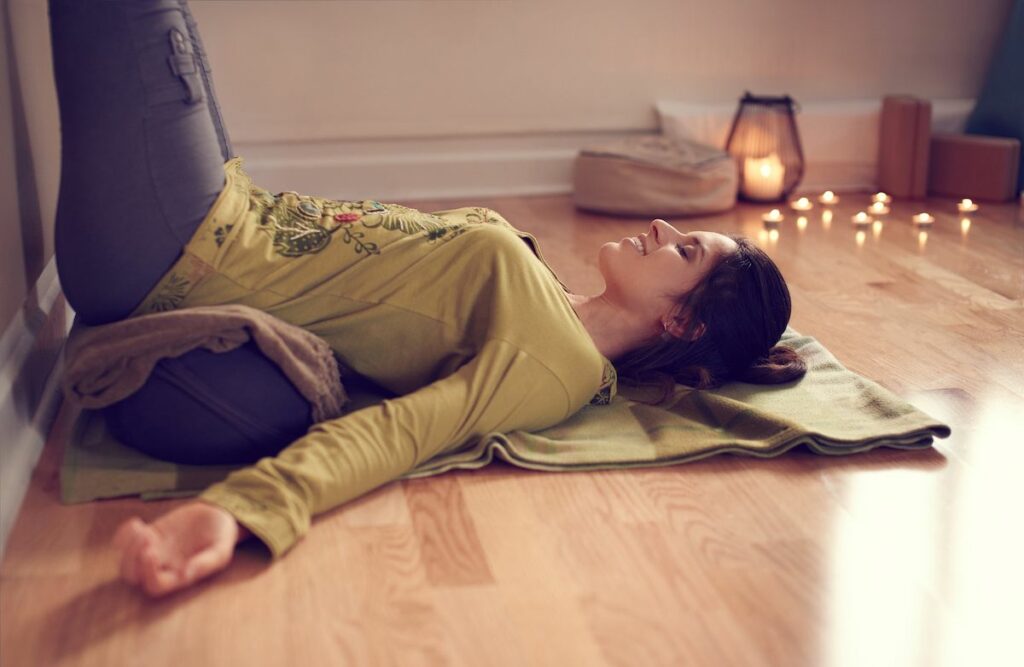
(743, 304)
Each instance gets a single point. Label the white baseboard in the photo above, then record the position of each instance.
(30, 393)
(428, 168)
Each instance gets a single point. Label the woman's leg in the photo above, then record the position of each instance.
(143, 146)
(212, 408)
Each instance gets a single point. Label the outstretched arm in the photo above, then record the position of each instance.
(499, 390)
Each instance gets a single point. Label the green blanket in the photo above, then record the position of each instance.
(831, 410)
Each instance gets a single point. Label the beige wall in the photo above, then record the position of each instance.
(30, 164)
(308, 71)
(12, 267)
(433, 67)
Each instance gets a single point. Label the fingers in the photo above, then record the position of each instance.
(160, 578)
(131, 538)
(142, 563)
(157, 578)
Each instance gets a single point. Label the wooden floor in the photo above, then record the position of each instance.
(884, 558)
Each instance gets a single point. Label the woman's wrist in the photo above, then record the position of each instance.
(243, 532)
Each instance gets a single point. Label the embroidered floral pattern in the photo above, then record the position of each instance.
(606, 393)
(349, 235)
(171, 294)
(221, 233)
(484, 215)
(395, 217)
(301, 225)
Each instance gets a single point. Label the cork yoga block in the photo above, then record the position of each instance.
(903, 146)
(975, 166)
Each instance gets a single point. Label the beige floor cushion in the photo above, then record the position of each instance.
(654, 175)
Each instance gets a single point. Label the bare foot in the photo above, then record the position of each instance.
(180, 548)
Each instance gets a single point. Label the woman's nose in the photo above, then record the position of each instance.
(663, 230)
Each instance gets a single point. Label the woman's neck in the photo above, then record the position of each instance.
(613, 328)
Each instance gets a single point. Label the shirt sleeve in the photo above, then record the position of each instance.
(501, 389)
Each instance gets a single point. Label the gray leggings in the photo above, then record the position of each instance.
(142, 151)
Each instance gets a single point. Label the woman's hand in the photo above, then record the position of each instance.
(183, 546)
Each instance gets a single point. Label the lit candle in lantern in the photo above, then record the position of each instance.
(966, 206)
(861, 219)
(881, 197)
(829, 198)
(774, 217)
(763, 178)
(923, 219)
(802, 204)
(878, 208)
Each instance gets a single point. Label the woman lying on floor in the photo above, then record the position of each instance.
(454, 312)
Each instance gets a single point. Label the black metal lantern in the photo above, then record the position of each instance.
(766, 146)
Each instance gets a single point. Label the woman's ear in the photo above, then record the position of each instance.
(676, 327)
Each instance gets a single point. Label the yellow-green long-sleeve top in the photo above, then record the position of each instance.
(456, 312)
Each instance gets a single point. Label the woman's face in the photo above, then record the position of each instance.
(648, 273)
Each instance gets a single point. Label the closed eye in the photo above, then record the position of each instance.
(682, 250)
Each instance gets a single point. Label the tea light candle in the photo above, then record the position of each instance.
(966, 206)
(878, 208)
(829, 198)
(802, 204)
(763, 178)
(923, 219)
(861, 218)
(881, 197)
(773, 217)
